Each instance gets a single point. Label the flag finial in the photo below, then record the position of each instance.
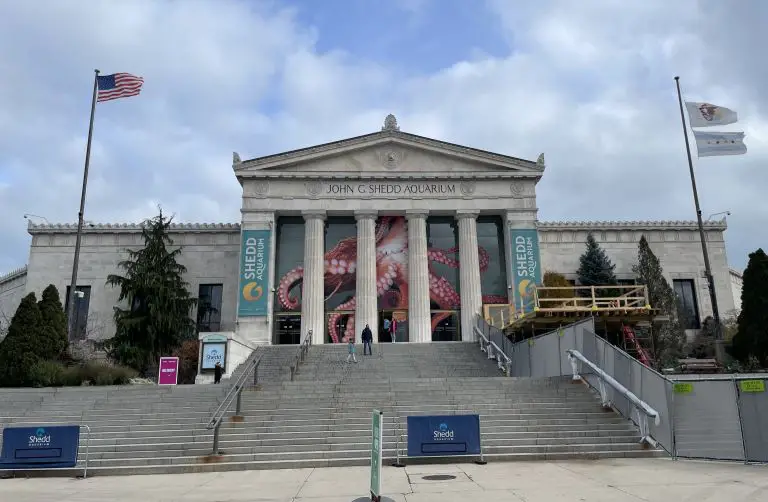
(390, 123)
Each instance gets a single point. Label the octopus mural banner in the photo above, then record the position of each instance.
(391, 278)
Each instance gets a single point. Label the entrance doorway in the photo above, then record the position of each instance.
(447, 328)
(336, 326)
(287, 329)
(398, 326)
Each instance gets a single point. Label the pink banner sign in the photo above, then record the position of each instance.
(169, 371)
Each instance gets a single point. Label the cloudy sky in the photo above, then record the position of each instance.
(590, 83)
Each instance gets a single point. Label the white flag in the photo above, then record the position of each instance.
(706, 114)
(714, 144)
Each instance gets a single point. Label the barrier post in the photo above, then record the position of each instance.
(480, 439)
(397, 444)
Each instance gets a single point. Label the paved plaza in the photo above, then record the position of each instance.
(653, 480)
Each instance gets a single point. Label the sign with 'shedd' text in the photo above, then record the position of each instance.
(526, 266)
(441, 436)
(254, 272)
(40, 447)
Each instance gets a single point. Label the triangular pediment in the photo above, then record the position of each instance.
(387, 152)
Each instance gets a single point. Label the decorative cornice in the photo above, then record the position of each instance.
(631, 225)
(68, 228)
(390, 176)
(738, 274)
(13, 274)
(385, 136)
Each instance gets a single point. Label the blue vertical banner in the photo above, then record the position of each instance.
(526, 266)
(254, 273)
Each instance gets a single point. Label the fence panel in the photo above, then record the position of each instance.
(706, 421)
(753, 400)
(620, 373)
(521, 364)
(657, 392)
(545, 356)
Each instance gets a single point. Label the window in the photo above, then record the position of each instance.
(686, 300)
(626, 282)
(209, 307)
(82, 302)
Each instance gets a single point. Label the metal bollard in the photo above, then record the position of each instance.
(216, 438)
(239, 401)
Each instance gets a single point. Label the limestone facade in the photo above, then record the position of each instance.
(385, 174)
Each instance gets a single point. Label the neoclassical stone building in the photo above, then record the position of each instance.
(385, 225)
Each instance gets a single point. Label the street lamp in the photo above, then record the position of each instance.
(27, 215)
(727, 213)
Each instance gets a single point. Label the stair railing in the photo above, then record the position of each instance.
(494, 352)
(644, 410)
(235, 392)
(301, 354)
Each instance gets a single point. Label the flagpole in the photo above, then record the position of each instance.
(707, 268)
(73, 284)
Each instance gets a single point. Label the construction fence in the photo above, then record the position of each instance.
(723, 417)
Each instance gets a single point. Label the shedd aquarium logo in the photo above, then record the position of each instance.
(443, 433)
(215, 356)
(40, 440)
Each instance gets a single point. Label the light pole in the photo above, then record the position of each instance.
(727, 213)
(27, 216)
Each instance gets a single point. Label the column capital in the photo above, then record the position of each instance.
(253, 220)
(366, 214)
(461, 214)
(416, 214)
(314, 214)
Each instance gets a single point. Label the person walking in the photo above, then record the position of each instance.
(351, 350)
(367, 340)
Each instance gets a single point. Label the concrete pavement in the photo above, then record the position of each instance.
(610, 480)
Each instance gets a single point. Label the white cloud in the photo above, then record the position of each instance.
(589, 84)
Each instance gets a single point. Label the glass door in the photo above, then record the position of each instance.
(287, 329)
(336, 324)
(446, 326)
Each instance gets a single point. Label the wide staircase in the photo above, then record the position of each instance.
(323, 416)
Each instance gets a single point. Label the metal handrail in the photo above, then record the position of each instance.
(301, 354)
(494, 351)
(87, 448)
(644, 409)
(234, 392)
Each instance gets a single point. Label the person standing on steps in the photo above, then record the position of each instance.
(387, 332)
(217, 371)
(367, 340)
(351, 350)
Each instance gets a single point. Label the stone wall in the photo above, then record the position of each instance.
(737, 282)
(12, 290)
(677, 245)
(210, 253)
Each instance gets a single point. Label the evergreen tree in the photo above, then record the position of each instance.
(751, 339)
(52, 337)
(18, 350)
(669, 339)
(596, 269)
(158, 317)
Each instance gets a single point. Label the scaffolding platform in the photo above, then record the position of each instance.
(550, 307)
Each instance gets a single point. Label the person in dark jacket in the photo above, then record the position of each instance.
(367, 340)
(217, 371)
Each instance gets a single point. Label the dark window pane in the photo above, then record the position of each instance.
(82, 303)
(493, 268)
(686, 299)
(209, 307)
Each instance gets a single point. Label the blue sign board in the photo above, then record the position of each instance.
(440, 436)
(254, 272)
(526, 266)
(40, 447)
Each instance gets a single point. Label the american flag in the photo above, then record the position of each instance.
(118, 85)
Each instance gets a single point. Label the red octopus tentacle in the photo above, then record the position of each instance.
(288, 282)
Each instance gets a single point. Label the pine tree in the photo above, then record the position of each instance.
(53, 327)
(669, 339)
(751, 340)
(158, 318)
(596, 269)
(18, 350)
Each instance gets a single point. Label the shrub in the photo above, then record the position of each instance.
(47, 374)
(188, 355)
(95, 373)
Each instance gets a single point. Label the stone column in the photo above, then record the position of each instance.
(419, 321)
(312, 294)
(469, 273)
(365, 279)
